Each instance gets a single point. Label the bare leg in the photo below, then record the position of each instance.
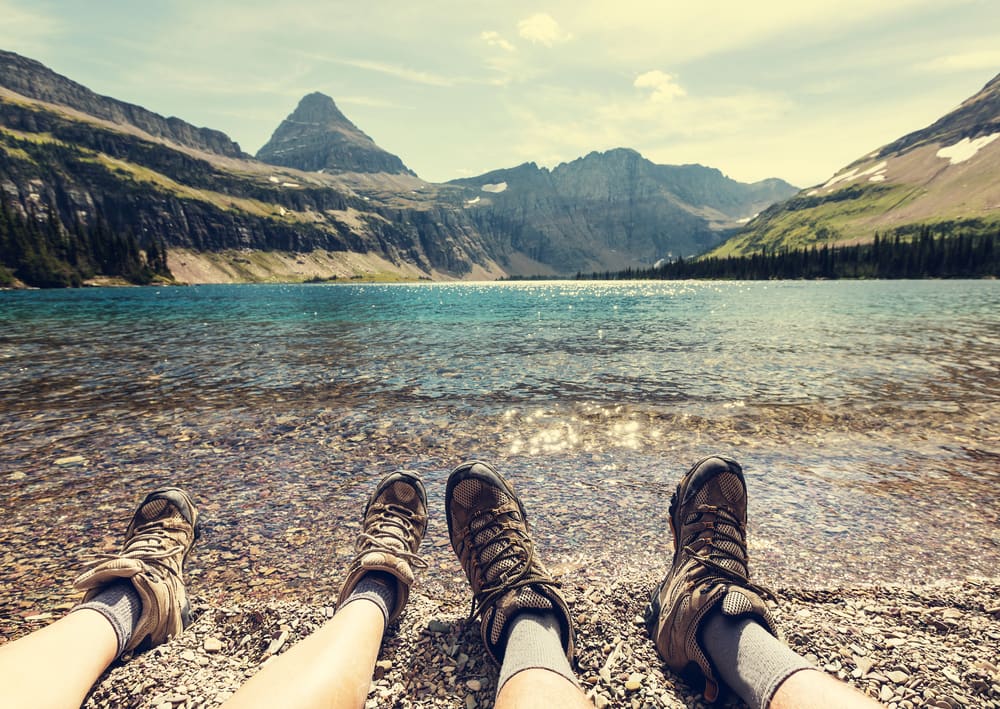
(541, 688)
(812, 688)
(57, 665)
(331, 668)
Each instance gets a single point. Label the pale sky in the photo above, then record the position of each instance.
(793, 89)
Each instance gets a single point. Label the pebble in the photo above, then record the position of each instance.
(71, 460)
(474, 685)
(381, 668)
(864, 665)
(277, 643)
(951, 675)
(634, 681)
(212, 644)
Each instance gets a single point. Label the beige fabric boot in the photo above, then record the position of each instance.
(395, 520)
(157, 542)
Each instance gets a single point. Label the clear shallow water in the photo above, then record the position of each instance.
(866, 414)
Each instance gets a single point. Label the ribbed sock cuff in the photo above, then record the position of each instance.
(534, 642)
(748, 658)
(377, 587)
(119, 602)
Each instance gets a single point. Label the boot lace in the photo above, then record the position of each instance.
(392, 522)
(511, 568)
(719, 552)
(151, 543)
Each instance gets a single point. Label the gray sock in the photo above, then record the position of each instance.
(377, 587)
(120, 604)
(749, 659)
(534, 642)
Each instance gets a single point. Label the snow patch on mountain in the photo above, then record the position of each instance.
(965, 148)
(852, 174)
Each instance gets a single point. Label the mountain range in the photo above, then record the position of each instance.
(944, 178)
(322, 199)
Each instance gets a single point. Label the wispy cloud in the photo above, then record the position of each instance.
(964, 61)
(494, 39)
(659, 121)
(371, 102)
(399, 72)
(385, 68)
(542, 28)
(26, 30)
(675, 33)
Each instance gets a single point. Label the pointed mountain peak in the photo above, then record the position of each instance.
(319, 108)
(316, 136)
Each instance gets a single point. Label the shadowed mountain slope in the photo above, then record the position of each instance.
(945, 177)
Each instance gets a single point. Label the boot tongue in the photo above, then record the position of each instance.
(731, 548)
(736, 603)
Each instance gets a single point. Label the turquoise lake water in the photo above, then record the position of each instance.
(866, 414)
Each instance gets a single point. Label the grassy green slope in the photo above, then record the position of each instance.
(915, 190)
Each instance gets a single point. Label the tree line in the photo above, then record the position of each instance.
(925, 255)
(41, 253)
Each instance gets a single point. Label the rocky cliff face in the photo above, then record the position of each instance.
(56, 166)
(978, 116)
(34, 80)
(609, 211)
(318, 137)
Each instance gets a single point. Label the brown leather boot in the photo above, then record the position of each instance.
(708, 517)
(489, 533)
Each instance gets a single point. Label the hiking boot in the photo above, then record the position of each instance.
(158, 540)
(708, 516)
(489, 533)
(395, 520)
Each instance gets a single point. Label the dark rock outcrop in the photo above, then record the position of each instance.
(34, 80)
(318, 137)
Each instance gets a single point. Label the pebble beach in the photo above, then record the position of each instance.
(929, 646)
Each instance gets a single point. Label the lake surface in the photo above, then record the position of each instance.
(866, 415)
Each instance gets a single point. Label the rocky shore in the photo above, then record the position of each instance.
(935, 645)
